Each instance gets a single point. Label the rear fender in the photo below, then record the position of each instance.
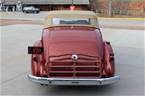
(109, 62)
(38, 61)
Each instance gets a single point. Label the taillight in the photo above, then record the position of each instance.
(72, 7)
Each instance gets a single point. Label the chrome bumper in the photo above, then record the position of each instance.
(73, 81)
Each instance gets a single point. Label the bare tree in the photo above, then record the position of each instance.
(93, 5)
(110, 7)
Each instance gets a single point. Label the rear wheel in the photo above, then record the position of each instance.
(34, 12)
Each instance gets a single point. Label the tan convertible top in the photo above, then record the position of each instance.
(70, 14)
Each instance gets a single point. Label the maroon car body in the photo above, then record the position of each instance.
(72, 51)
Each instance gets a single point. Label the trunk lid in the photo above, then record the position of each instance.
(73, 41)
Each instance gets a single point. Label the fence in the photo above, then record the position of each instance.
(133, 13)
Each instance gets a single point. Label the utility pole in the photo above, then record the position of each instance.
(4, 5)
(110, 8)
(72, 2)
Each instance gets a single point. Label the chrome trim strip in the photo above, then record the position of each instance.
(73, 81)
(77, 66)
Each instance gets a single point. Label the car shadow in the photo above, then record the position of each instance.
(79, 90)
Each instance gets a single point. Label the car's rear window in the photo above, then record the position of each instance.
(59, 21)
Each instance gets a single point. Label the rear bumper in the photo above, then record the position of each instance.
(73, 81)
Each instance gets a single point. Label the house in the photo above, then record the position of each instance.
(44, 5)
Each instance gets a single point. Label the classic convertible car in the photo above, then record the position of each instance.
(72, 51)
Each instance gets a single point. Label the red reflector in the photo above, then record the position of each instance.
(72, 7)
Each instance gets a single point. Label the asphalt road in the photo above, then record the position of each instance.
(104, 22)
(129, 53)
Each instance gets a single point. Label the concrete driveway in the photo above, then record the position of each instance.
(129, 52)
